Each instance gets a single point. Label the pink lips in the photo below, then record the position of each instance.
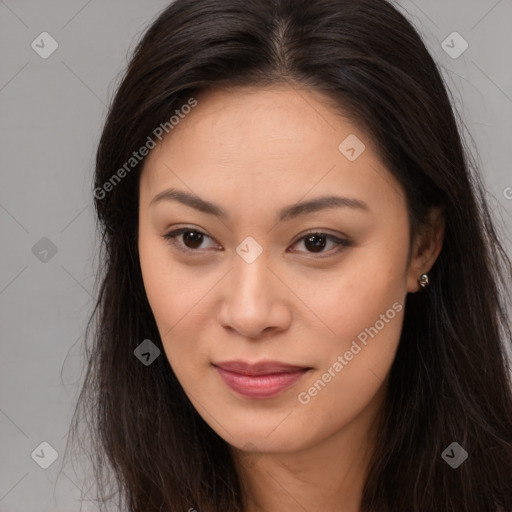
(259, 380)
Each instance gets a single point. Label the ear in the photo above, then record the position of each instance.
(427, 245)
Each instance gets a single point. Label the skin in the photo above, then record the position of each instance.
(253, 151)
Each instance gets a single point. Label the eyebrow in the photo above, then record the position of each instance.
(286, 213)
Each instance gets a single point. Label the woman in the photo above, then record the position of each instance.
(303, 298)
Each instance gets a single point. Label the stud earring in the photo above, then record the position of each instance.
(423, 280)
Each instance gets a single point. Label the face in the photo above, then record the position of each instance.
(266, 270)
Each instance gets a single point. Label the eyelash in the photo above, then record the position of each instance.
(171, 236)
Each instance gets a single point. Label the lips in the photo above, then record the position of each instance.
(264, 379)
(260, 368)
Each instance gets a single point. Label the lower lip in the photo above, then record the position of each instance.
(260, 386)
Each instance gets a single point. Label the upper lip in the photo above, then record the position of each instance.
(259, 368)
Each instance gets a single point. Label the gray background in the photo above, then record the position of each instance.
(52, 112)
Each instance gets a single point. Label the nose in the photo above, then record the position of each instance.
(256, 303)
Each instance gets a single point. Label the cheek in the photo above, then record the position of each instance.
(365, 287)
(354, 370)
(159, 280)
(364, 311)
(172, 293)
(177, 298)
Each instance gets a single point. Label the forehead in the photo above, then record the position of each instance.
(262, 142)
(283, 121)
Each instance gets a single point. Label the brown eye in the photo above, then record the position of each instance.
(191, 239)
(316, 242)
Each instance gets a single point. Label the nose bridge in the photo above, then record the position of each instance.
(250, 277)
(250, 301)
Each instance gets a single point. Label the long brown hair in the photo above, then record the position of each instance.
(450, 380)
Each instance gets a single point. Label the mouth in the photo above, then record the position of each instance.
(265, 379)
